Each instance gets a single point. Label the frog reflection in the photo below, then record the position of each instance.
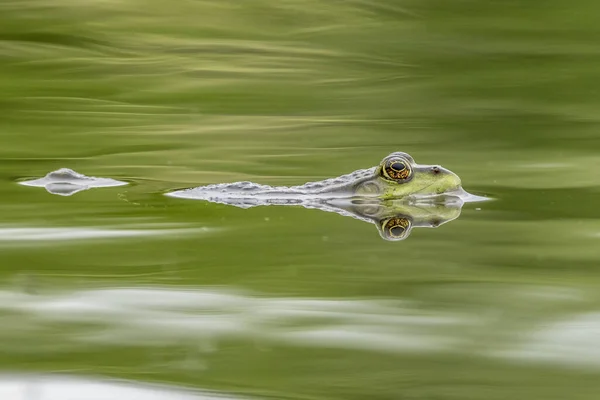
(395, 219)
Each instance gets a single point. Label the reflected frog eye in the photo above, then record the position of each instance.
(396, 169)
(395, 228)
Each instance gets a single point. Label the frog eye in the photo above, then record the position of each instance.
(396, 228)
(396, 169)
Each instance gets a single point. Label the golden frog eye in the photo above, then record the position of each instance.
(395, 228)
(396, 169)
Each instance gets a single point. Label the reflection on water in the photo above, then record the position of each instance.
(17, 235)
(158, 316)
(394, 219)
(573, 340)
(203, 317)
(59, 387)
(66, 182)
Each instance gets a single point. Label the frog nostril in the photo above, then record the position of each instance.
(435, 170)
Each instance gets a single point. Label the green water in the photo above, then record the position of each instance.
(285, 302)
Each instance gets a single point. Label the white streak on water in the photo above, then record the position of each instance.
(572, 341)
(36, 234)
(202, 317)
(162, 316)
(57, 387)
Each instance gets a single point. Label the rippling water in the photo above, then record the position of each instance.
(501, 301)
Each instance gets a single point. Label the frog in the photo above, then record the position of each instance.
(397, 176)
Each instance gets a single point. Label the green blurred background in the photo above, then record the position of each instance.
(285, 302)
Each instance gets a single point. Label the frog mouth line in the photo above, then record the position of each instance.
(424, 188)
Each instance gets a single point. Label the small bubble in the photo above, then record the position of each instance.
(267, 219)
(478, 209)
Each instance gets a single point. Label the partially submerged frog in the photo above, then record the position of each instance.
(398, 176)
(396, 196)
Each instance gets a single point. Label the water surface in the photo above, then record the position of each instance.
(287, 302)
